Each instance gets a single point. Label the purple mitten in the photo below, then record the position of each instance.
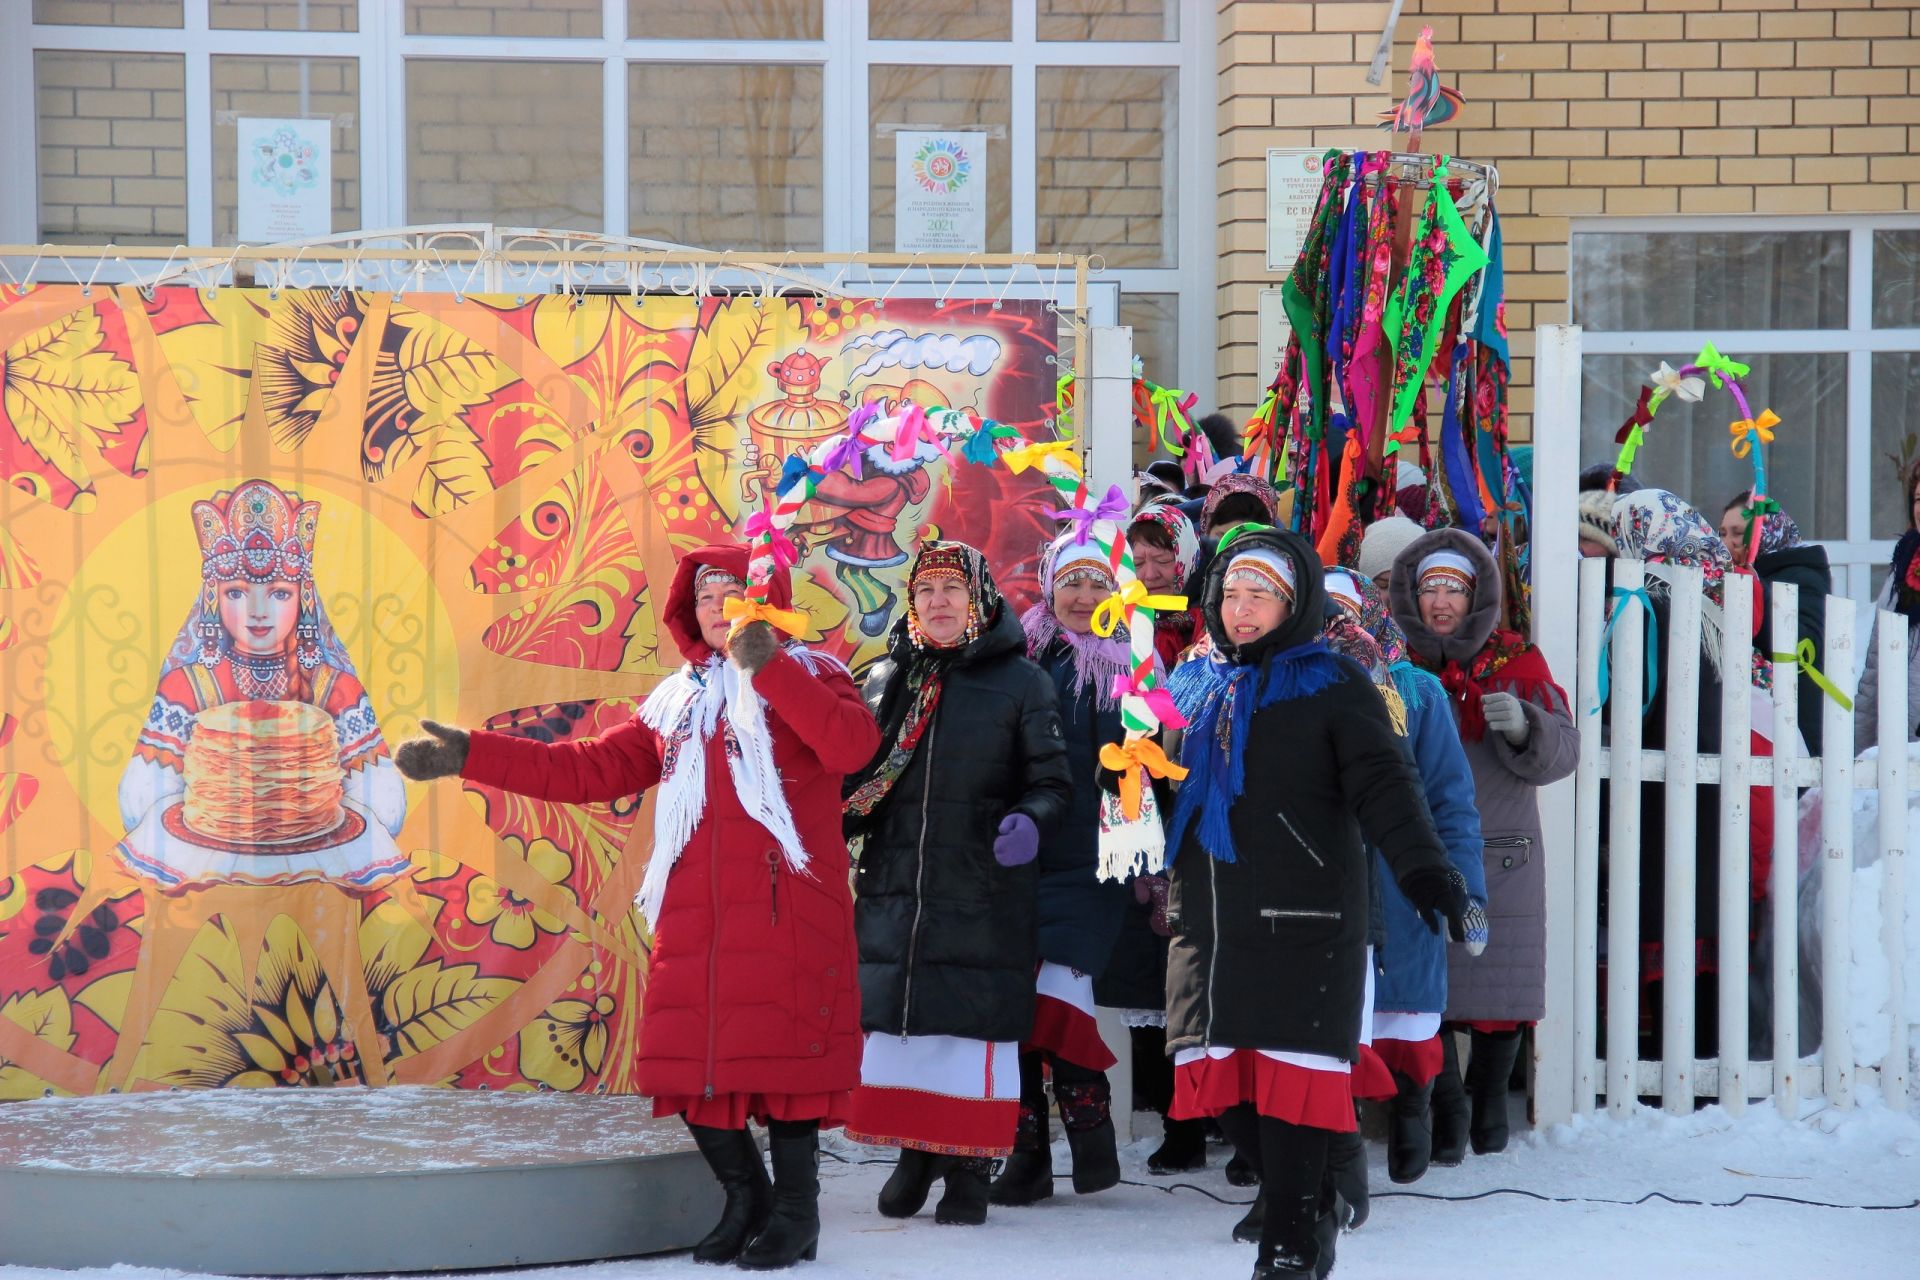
(1018, 842)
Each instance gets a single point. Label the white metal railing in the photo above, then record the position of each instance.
(1612, 751)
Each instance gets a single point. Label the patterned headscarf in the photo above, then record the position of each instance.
(1239, 482)
(1778, 532)
(957, 560)
(1096, 661)
(1374, 617)
(1186, 543)
(1655, 526)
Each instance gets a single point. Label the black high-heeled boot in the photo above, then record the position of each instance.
(911, 1180)
(1409, 1129)
(1086, 1113)
(793, 1229)
(735, 1162)
(1449, 1103)
(1487, 1080)
(965, 1201)
(1027, 1176)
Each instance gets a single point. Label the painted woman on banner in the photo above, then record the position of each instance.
(291, 779)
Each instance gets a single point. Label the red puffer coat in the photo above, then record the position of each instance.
(753, 983)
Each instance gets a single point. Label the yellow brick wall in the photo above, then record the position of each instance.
(512, 142)
(1104, 151)
(949, 97)
(247, 85)
(1588, 107)
(533, 18)
(112, 146)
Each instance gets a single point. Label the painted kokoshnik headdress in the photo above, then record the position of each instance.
(256, 534)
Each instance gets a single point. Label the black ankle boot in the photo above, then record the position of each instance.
(1182, 1149)
(965, 1201)
(735, 1162)
(1409, 1130)
(1247, 1230)
(1240, 1173)
(793, 1229)
(1086, 1114)
(1347, 1166)
(1297, 1236)
(906, 1190)
(1027, 1177)
(1450, 1110)
(1487, 1078)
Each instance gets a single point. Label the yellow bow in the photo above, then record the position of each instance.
(1127, 759)
(1119, 606)
(741, 612)
(1746, 429)
(1036, 455)
(1803, 658)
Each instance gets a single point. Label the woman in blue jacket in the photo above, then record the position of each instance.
(1410, 991)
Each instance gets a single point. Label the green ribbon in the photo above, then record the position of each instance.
(1166, 404)
(1634, 440)
(1803, 658)
(1715, 364)
(1245, 526)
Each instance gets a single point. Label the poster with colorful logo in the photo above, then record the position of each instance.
(286, 179)
(940, 192)
(250, 539)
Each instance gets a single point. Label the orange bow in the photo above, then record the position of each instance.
(1747, 430)
(1127, 759)
(740, 612)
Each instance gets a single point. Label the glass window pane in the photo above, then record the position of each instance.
(941, 20)
(1686, 448)
(915, 97)
(503, 18)
(510, 142)
(1627, 280)
(724, 19)
(725, 156)
(1896, 437)
(1106, 20)
(1896, 279)
(112, 146)
(287, 88)
(110, 13)
(284, 15)
(1105, 163)
(1155, 318)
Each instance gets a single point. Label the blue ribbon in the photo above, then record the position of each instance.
(1625, 596)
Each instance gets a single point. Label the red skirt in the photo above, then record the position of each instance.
(733, 1110)
(1371, 1077)
(1417, 1060)
(1280, 1090)
(1063, 1020)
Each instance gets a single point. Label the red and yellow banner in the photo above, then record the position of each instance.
(249, 539)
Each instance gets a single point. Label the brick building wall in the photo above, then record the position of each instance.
(249, 86)
(112, 140)
(1085, 202)
(1588, 107)
(512, 142)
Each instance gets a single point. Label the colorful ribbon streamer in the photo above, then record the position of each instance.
(1625, 596)
(742, 612)
(1113, 506)
(1130, 760)
(1130, 685)
(1749, 430)
(760, 526)
(1037, 455)
(1119, 606)
(1715, 365)
(1802, 657)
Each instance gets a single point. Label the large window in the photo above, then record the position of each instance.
(1827, 313)
(758, 125)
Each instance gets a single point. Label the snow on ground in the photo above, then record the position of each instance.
(1178, 1227)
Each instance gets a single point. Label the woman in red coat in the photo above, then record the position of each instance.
(752, 1004)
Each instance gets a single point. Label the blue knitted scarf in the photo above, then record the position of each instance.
(1219, 699)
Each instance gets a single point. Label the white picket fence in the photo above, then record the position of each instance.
(1570, 617)
(1678, 1078)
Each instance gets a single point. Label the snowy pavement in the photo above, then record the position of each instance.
(1178, 1227)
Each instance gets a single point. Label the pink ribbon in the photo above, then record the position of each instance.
(1158, 700)
(760, 525)
(911, 430)
(1112, 507)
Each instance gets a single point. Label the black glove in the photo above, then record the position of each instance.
(1436, 892)
(441, 756)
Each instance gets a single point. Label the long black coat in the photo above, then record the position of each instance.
(1269, 951)
(1080, 914)
(947, 936)
(1805, 567)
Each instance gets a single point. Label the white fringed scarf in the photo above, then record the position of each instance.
(684, 710)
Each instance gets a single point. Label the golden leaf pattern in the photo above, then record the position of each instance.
(433, 1001)
(55, 381)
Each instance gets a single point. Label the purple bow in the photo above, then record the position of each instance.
(1112, 507)
(845, 451)
(760, 525)
(1158, 700)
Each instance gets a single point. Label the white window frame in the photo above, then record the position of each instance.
(1856, 556)
(845, 53)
